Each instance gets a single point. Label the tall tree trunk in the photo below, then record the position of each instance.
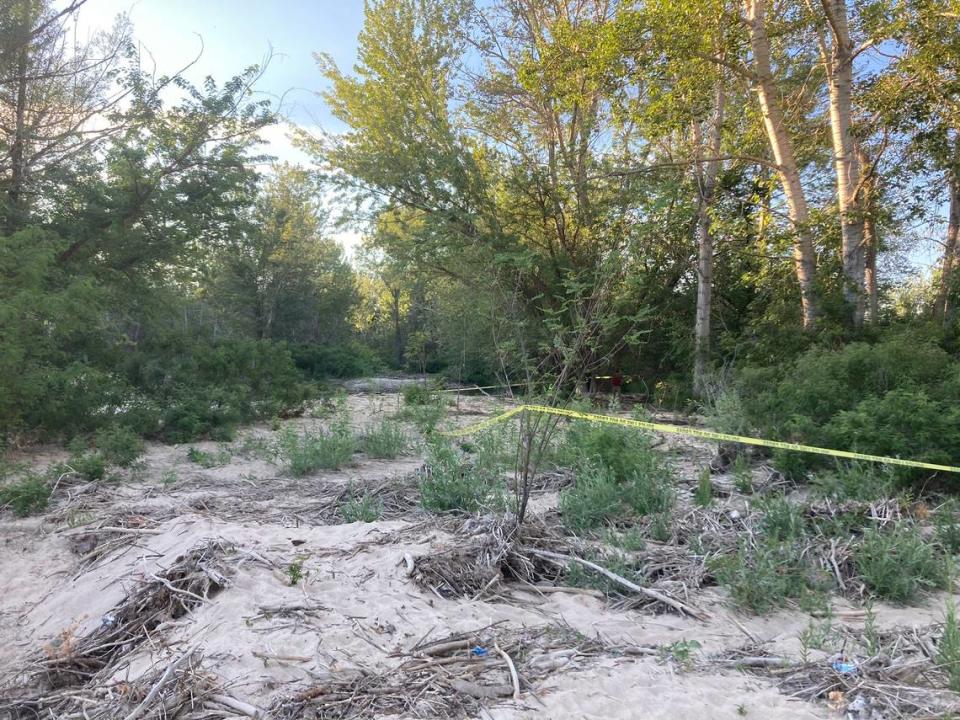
(706, 174)
(838, 63)
(803, 253)
(943, 309)
(397, 336)
(18, 148)
(871, 239)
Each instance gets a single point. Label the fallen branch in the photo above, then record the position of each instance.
(680, 607)
(513, 671)
(238, 705)
(155, 690)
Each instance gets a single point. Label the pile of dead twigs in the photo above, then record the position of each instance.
(74, 675)
(449, 677)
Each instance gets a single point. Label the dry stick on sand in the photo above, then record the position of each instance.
(652, 594)
(514, 678)
(164, 679)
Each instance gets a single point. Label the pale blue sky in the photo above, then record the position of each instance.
(238, 33)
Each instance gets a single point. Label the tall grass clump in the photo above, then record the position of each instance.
(386, 439)
(762, 578)
(306, 451)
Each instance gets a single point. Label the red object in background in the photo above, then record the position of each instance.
(616, 380)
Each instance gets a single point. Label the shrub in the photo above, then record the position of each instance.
(898, 564)
(626, 452)
(208, 460)
(948, 648)
(26, 496)
(947, 527)
(420, 394)
(895, 397)
(385, 440)
(760, 579)
(448, 485)
(856, 481)
(341, 360)
(597, 497)
(119, 445)
(782, 520)
(594, 499)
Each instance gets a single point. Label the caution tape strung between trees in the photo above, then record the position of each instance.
(692, 432)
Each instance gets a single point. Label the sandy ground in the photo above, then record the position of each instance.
(362, 611)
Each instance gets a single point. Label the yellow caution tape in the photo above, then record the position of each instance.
(693, 432)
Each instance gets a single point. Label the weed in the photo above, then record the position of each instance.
(595, 498)
(577, 575)
(871, 637)
(421, 394)
(898, 564)
(816, 636)
(385, 440)
(703, 495)
(366, 508)
(119, 445)
(295, 571)
(257, 446)
(661, 529)
(449, 486)
(307, 451)
(742, 478)
(209, 460)
(948, 648)
(26, 496)
(742, 710)
(947, 527)
(169, 478)
(631, 540)
(782, 520)
(424, 417)
(761, 579)
(681, 652)
(855, 481)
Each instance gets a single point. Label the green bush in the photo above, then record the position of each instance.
(856, 481)
(947, 527)
(899, 396)
(626, 452)
(343, 360)
(421, 394)
(594, 499)
(449, 485)
(597, 497)
(782, 520)
(898, 564)
(386, 439)
(119, 445)
(26, 496)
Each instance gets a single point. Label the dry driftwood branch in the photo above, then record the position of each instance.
(155, 690)
(514, 678)
(240, 706)
(481, 692)
(680, 607)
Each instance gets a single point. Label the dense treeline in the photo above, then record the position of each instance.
(728, 201)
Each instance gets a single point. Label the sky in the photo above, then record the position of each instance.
(235, 34)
